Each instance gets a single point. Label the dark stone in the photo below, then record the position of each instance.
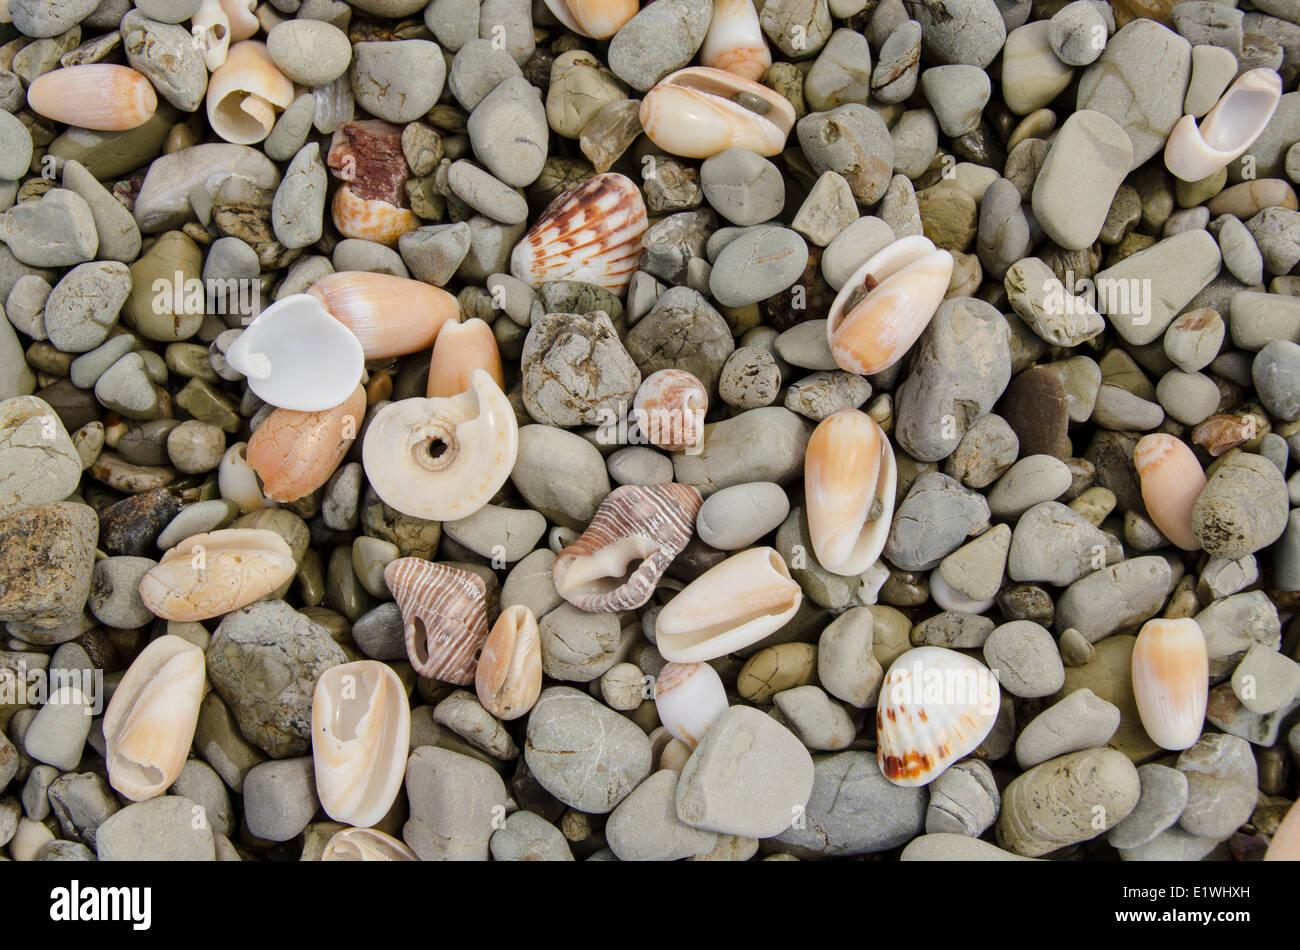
(132, 526)
(1035, 407)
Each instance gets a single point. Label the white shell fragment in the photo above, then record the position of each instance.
(1195, 152)
(689, 697)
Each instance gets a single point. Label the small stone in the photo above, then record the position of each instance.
(1032, 74)
(46, 556)
(934, 519)
(742, 186)
(508, 132)
(1243, 508)
(576, 371)
(1266, 681)
(854, 141)
(279, 798)
(160, 829)
(658, 40)
(736, 517)
(398, 81)
(964, 800)
(560, 474)
(762, 261)
(1025, 658)
(525, 836)
(455, 803)
(958, 95)
(846, 664)
(1077, 33)
(820, 723)
(1163, 798)
(645, 826)
(311, 52)
(57, 735)
(1113, 598)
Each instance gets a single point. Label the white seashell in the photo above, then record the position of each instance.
(391, 316)
(99, 96)
(211, 29)
(689, 697)
(237, 482)
(735, 40)
(598, 19)
(242, 18)
(211, 574)
(245, 94)
(297, 356)
(360, 738)
(698, 112)
(1195, 152)
(936, 706)
(479, 440)
(366, 844)
(850, 480)
(728, 607)
(1171, 681)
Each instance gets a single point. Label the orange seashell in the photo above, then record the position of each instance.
(1172, 480)
(370, 219)
(391, 316)
(1171, 681)
(509, 675)
(460, 349)
(211, 574)
(699, 111)
(1223, 432)
(294, 453)
(669, 408)
(850, 480)
(598, 19)
(99, 96)
(445, 617)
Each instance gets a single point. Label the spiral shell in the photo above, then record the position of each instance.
(99, 96)
(211, 574)
(444, 615)
(850, 480)
(391, 316)
(1193, 153)
(460, 349)
(366, 844)
(509, 675)
(735, 40)
(1171, 480)
(295, 453)
(698, 112)
(669, 408)
(598, 19)
(245, 93)
(688, 698)
(1171, 681)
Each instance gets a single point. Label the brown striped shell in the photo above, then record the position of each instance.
(616, 563)
(444, 615)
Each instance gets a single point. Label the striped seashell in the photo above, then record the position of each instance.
(99, 96)
(1195, 152)
(211, 574)
(391, 316)
(735, 40)
(698, 112)
(669, 408)
(509, 675)
(444, 613)
(850, 480)
(591, 233)
(366, 844)
(245, 93)
(615, 564)
(1172, 479)
(460, 349)
(1171, 681)
(598, 19)
(295, 453)
(688, 698)
(370, 219)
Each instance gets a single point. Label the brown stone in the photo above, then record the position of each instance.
(46, 555)
(1035, 407)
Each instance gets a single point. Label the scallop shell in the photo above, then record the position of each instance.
(150, 721)
(360, 738)
(460, 349)
(391, 316)
(887, 304)
(444, 615)
(211, 574)
(728, 607)
(936, 705)
(245, 93)
(370, 219)
(598, 19)
(688, 698)
(616, 563)
(1195, 152)
(295, 453)
(591, 233)
(850, 480)
(508, 679)
(698, 112)
(669, 409)
(479, 440)
(211, 29)
(99, 96)
(1171, 480)
(366, 844)
(735, 40)
(1171, 681)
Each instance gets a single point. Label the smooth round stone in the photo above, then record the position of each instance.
(398, 80)
(38, 461)
(526, 836)
(764, 444)
(456, 801)
(916, 142)
(658, 40)
(530, 582)
(1033, 479)
(1276, 373)
(342, 496)
(115, 592)
(1194, 339)
(1163, 798)
(508, 132)
(1213, 68)
(1032, 74)
(854, 141)
(486, 194)
(291, 130)
(160, 829)
(945, 846)
(198, 518)
(1189, 398)
(1241, 255)
(56, 230)
(195, 447)
(560, 474)
(379, 633)
(645, 826)
(1082, 720)
(1243, 507)
(963, 31)
(842, 71)
(200, 783)
(578, 646)
(1119, 409)
(497, 532)
(168, 11)
(1025, 658)
(639, 465)
(279, 798)
(851, 248)
(17, 157)
(743, 187)
(761, 262)
(478, 67)
(84, 305)
(736, 517)
(958, 95)
(25, 306)
(310, 52)
(125, 387)
(1077, 33)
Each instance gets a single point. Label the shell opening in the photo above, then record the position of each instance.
(245, 115)
(418, 640)
(609, 568)
(130, 772)
(1238, 117)
(770, 600)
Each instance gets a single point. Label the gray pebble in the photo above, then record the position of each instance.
(736, 517)
(1025, 658)
(1241, 255)
(495, 531)
(1110, 599)
(298, 209)
(453, 22)
(577, 645)
(57, 230)
(526, 836)
(1088, 160)
(1163, 798)
(1078, 33)
(434, 253)
(455, 803)
(1222, 785)
(160, 829)
(764, 444)
(817, 396)
(575, 370)
(841, 72)
(479, 67)
(168, 56)
(1243, 507)
(310, 52)
(761, 262)
(398, 80)
(1254, 319)
(645, 826)
(279, 798)
(988, 449)
(125, 387)
(200, 783)
(1276, 372)
(1194, 339)
(895, 76)
(854, 141)
(291, 129)
(750, 378)
(639, 465)
(935, 518)
(851, 248)
(964, 800)
(57, 735)
(743, 187)
(115, 592)
(509, 134)
(1033, 479)
(962, 31)
(658, 40)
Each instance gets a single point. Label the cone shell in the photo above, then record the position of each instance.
(211, 29)
(370, 219)
(1285, 845)
(295, 453)
(591, 233)
(391, 316)
(97, 96)
(735, 40)
(616, 563)
(245, 94)
(444, 614)
(460, 349)
(850, 480)
(698, 112)
(728, 607)
(689, 697)
(360, 738)
(366, 844)
(1172, 479)
(936, 706)
(508, 679)
(479, 440)
(1171, 677)
(887, 304)
(1195, 152)
(598, 19)
(150, 721)
(211, 574)
(670, 407)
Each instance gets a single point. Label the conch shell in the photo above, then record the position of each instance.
(211, 574)
(1171, 681)
(99, 96)
(444, 613)
(391, 316)
(1172, 479)
(508, 679)
(295, 453)
(850, 481)
(1228, 129)
(598, 19)
(669, 408)
(735, 40)
(245, 93)
(688, 698)
(460, 349)
(366, 844)
(698, 112)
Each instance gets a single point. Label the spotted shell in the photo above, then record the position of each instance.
(444, 614)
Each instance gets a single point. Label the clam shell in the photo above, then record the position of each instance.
(1195, 152)
(1171, 681)
(366, 844)
(598, 19)
(698, 112)
(245, 93)
(370, 219)
(211, 574)
(591, 233)
(735, 40)
(360, 738)
(615, 564)
(728, 607)
(670, 407)
(99, 96)
(150, 721)
(936, 706)
(1172, 479)
(849, 477)
(444, 614)
(391, 316)
(295, 453)
(508, 679)
(460, 349)
(688, 698)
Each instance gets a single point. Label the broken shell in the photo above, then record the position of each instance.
(444, 458)
(443, 615)
(616, 563)
(728, 607)
(460, 349)
(669, 408)
(237, 482)
(508, 679)
(243, 21)
(689, 697)
(360, 738)
(245, 93)
(150, 721)
(735, 40)
(99, 96)
(1172, 480)
(391, 316)
(1171, 681)
(211, 29)
(370, 219)
(295, 453)
(698, 112)
(1195, 152)
(936, 706)
(850, 480)
(366, 844)
(211, 574)
(591, 233)
(297, 356)
(887, 304)
(598, 19)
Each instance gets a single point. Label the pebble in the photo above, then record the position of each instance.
(38, 462)
(1276, 373)
(115, 592)
(818, 395)
(639, 465)
(1077, 33)
(1213, 68)
(167, 54)
(826, 212)
(1222, 785)
(525, 836)
(279, 798)
(764, 444)
(988, 449)
(160, 829)
(1089, 158)
(645, 827)
(682, 331)
(1032, 74)
(1265, 681)
(456, 803)
(964, 800)
(658, 40)
(759, 263)
(1031, 480)
(575, 370)
(1082, 720)
(736, 517)
(1110, 599)
(46, 555)
(934, 519)
(853, 141)
(958, 94)
(1243, 507)
(56, 230)
(820, 723)
(895, 76)
(743, 187)
(1194, 339)
(963, 31)
(846, 665)
(298, 207)
(1162, 800)
(954, 847)
(57, 735)
(1025, 658)
(560, 474)
(1169, 273)
(311, 52)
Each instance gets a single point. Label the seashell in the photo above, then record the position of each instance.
(670, 407)
(460, 349)
(444, 616)
(150, 721)
(211, 28)
(245, 93)
(598, 19)
(615, 564)
(366, 844)
(698, 112)
(936, 706)
(1171, 681)
(735, 40)
(591, 233)
(850, 480)
(99, 96)
(1172, 480)
(370, 219)
(391, 316)
(211, 574)
(237, 482)
(887, 304)
(508, 679)
(444, 458)
(295, 453)
(360, 738)
(1195, 152)
(1285, 844)
(689, 697)
(728, 607)
(242, 18)
(296, 356)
